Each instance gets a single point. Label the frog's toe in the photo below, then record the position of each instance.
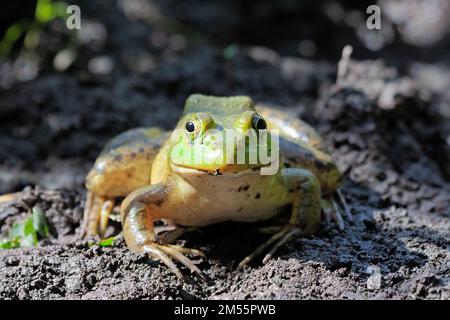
(165, 253)
(176, 253)
(332, 211)
(269, 230)
(277, 240)
(337, 217)
(288, 236)
(96, 215)
(105, 212)
(187, 251)
(344, 204)
(154, 251)
(327, 215)
(91, 216)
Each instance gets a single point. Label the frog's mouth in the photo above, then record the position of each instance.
(216, 170)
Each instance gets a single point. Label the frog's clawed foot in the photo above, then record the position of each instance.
(165, 253)
(285, 235)
(96, 216)
(333, 210)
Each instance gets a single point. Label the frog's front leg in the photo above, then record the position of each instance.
(303, 188)
(138, 211)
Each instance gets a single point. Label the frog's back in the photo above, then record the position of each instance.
(125, 162)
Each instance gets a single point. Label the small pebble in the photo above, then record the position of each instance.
(374, 280)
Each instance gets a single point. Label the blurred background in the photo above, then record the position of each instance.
(64, 93)
(383, 112)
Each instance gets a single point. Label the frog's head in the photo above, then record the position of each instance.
(219, 135)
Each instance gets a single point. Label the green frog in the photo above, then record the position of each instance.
(272, 161)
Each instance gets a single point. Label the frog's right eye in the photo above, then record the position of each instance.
(190, 127)
(258, 123)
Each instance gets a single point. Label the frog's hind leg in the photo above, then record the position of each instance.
(9, 197)
(96, 215)
(123, 166)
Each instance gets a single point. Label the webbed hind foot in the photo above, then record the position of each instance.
(280, 238)
(332, 208)
(167, 253)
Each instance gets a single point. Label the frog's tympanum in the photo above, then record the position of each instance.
(227, 160)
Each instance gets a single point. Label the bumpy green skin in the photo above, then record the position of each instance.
(160, 187)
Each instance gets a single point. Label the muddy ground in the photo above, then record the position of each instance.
(385, 120)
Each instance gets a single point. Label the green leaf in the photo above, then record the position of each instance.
(4, 244)
(44, 11)
(16, 231)
(25, 233)
(40, 224)
(230, 51)
(13, 33)
(47, 10)
(109, 242)
(9, 243)
(28, 227)
(29, 241)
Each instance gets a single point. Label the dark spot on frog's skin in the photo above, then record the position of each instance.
(158, 202)
(293, 159)
(257, 195)
(295, 189)
(118, 157)
(141, 150)
(243, 188)
(320, 165)
(240, 209)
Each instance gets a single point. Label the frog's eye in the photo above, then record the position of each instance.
(190, 127)
(258, 123)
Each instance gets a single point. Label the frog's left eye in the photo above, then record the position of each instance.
(190, 126)
(258, 123)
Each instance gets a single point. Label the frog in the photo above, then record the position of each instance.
(164, 194)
